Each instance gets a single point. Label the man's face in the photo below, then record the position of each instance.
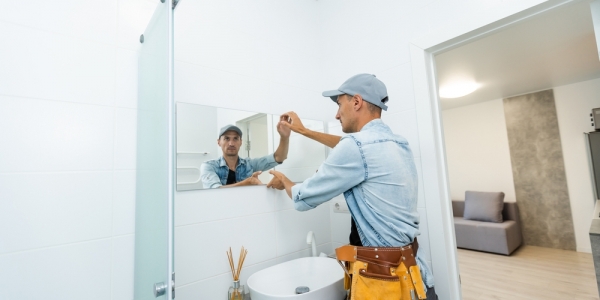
(345, 113)
(230, 143)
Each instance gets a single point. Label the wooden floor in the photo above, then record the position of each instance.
(529, 273)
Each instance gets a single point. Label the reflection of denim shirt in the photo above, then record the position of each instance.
(375, 170)
(214, 172)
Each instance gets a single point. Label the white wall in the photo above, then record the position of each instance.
(68, 94)
(574, 104)
(475, 134)
(250, 56)
(477, 151)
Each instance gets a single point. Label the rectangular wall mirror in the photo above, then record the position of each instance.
(198, 129)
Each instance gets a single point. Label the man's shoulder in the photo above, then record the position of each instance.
(212, 162)
(376, 136)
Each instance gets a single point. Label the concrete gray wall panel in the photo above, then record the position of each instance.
(539, 170)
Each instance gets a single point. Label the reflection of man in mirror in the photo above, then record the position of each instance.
(231, 170)
(375, 170)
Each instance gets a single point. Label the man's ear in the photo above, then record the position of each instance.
(357, 102)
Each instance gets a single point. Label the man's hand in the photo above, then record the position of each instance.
(281, 182)
(292, 121)
(253, 180)
(276, 183)
(284, 131)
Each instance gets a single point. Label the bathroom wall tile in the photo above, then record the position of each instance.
(337, 245)
(40, 65)
(194, 80)
(212, 288)
(123, 205)
(77, 271)
(133, 18)
(211, 205)
(200, 249)
(47, 209)
(293, 226)
(340, 222)
(278, 51)
(122, 267)
(40, 135)
(127, 78)
(321, 248)
(125, 139)
(95, 20)
(405, 124)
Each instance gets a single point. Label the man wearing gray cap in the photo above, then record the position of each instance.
(231, 170)
(375, 170)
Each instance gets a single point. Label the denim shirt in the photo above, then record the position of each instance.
(214, 172)
(375, 170)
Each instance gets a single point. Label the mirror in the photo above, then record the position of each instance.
(200, 163)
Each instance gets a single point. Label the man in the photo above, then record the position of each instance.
(371, 166)
(230, 170)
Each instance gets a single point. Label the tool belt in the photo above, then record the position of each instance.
(381, 272)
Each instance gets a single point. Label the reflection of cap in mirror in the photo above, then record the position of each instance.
(230, 128)
(367, 86)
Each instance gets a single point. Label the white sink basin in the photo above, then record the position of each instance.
(323, 276)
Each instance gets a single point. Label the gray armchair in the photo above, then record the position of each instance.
(502, 238)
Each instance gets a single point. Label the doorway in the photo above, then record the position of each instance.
(549, 48)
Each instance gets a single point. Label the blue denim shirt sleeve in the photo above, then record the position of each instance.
(343, 169)
(208, 174)
(263, 163)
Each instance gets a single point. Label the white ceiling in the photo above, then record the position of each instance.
(553, 49)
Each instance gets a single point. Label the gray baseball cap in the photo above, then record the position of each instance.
(367, 86)
(230, 128)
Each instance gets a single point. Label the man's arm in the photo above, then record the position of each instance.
(210, 179)
(293, 122)
(252, 180)
(343, 169)
(284, 142)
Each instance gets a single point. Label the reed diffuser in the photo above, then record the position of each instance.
(236, 292)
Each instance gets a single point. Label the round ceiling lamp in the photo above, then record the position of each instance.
(457, 89)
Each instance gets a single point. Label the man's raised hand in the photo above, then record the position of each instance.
(292, 121)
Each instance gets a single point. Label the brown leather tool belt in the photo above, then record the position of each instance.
(381, 259)
(394, 269)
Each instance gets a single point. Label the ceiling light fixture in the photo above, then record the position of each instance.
(458, 88)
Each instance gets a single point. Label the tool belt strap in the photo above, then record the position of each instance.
(384, 256)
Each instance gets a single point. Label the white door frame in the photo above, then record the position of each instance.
(431, 137)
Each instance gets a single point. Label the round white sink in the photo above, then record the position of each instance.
(323, 276)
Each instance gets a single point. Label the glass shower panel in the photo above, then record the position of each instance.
(154, 179)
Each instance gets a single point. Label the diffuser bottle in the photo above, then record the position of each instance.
(236, 292)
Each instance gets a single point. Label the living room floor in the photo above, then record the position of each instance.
(529, 273)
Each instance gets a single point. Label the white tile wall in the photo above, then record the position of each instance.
(74, 271)
(89, 20)
(41, 135)
(40, 209)
(38, 64)
(68, 90)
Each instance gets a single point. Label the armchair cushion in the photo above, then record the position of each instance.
(484, 206)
